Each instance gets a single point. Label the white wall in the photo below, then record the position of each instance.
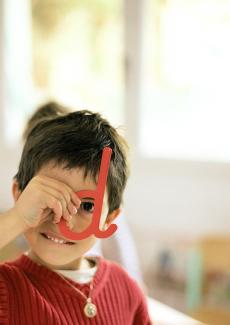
(9, 159)
(188, 198)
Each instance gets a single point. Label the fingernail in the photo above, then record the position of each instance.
(74, 210)
(70, 225)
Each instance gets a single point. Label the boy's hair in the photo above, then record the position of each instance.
(70, 140)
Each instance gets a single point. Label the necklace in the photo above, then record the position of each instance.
(90, 309)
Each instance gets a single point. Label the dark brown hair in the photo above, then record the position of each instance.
(73, 139)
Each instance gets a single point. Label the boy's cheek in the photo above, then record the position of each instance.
(79, 224)
(30, 236)
(103, 221)
(104, 212)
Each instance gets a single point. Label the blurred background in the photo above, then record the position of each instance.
(159, 69)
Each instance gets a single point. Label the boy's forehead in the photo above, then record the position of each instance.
(73, 177)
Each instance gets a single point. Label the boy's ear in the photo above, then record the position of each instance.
(15, 191)
(110, 217)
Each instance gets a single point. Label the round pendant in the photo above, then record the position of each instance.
(90, 310)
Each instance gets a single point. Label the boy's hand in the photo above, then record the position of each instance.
(44, 196)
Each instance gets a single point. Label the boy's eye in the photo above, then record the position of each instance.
(87, 206)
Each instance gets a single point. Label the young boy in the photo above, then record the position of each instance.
(54, 283)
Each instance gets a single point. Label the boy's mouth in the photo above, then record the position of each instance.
(56, 239)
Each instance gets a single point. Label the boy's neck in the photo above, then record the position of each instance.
(82, 263)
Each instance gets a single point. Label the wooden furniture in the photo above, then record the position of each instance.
(209, 269)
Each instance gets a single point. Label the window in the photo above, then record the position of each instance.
(77, 51)
(76, 54)
(185, 108)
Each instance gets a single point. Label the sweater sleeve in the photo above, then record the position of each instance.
(142, 316)
(4, 316)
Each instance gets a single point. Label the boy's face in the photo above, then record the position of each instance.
(64, 255)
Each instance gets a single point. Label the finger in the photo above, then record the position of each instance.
(58, 186)
(61, 187)
(69, 224)
(46, 212)
(57, 195)
(55, 205)
(72, 208)
(67, 207)
(42, 217)
(76, 199)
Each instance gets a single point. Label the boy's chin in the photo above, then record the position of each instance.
(55, 255)
(55, 261)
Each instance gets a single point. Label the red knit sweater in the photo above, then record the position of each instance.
(31, 294)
